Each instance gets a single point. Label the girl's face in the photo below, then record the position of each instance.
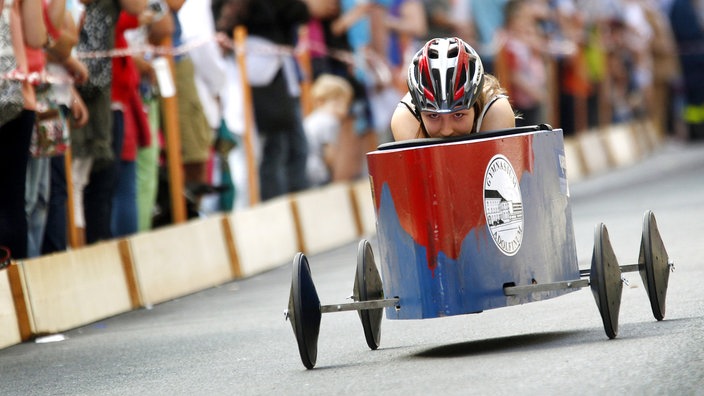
(449, 124)
(339, 106)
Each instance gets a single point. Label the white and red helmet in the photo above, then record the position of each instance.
(445, 76)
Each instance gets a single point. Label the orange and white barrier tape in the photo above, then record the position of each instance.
(43, 77)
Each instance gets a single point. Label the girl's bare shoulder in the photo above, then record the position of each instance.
(404, 124)
(499, 116)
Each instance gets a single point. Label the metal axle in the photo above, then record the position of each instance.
(360, 305)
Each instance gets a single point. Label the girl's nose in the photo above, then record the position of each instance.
(446, 129)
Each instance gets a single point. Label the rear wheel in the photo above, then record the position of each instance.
(368, 286)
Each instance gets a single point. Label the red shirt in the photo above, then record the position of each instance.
(36, 58)
(125, 90)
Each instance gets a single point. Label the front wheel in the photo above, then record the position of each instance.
(605, 281)
(654, 265)
(304, 311)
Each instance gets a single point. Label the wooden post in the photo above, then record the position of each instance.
(297, 224)
(231, 247)
(356, 211)
(604, 88)
(72, 237)
(169, 106)
(304, 60)
(605, 111)
(580, 104)
(24, 321)
(501, 70)
(240, 34)
(123, 247)
(580, 113)
(552, 111)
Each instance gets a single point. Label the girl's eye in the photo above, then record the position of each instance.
(433, 116)
(458, 116)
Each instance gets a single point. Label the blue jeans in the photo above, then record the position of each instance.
(283, 165)
(97, 197)
(36, 203)
(124, 202)
(55, 232)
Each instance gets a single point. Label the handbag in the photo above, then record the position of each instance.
(11, 98)
(51, 133)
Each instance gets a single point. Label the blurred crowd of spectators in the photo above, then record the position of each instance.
(324, 77)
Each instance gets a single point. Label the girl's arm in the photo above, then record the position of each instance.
(77, 69)
(175, 5)
(68, 38)
(79, 111)
(33, 27)
(134, 7)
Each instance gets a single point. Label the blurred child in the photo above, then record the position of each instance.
(332, 97)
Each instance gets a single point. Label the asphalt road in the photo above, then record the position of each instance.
(233, 340)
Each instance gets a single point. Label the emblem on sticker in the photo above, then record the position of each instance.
(503, 205)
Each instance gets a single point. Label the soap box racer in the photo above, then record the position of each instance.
(474, 223)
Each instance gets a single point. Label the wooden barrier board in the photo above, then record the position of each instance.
(181, 259)
(325, 217)
(574, 162)
(651, 138)
(10, 334)
(594, 153)
(364, 204)
(624, 148)
(74, 288)
(265, 236)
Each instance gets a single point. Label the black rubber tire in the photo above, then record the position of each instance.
(304, 311)
(654, 265)
(605, 281)
(368, 286)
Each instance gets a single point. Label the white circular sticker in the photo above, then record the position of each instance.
(503, 205)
